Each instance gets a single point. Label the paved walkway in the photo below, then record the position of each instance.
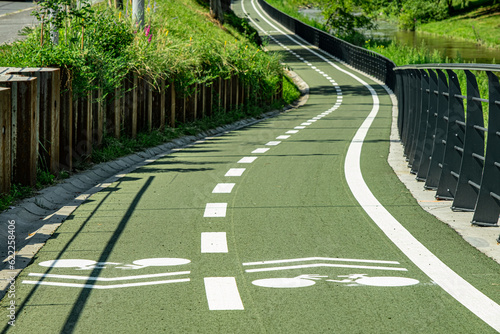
(14, 15)
(294, 224)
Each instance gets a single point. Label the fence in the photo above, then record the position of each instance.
(455, 155)
(44, 126)
(362, 59)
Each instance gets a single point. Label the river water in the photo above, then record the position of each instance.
(449, 47)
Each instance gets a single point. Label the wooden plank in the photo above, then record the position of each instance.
(82, 146)
(48, 105)
(5, 139)
(25, 127)
(66, 123)
(97, 109)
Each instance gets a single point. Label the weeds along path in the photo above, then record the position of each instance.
(295, 224)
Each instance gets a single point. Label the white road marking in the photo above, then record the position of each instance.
(328, 265)
(273, 143)
(222, 294)
(235, 172)
(108, 279)
(299, 127)
(292, 131)
(215, 210)
(223, 188)
(466, 294)
(103, 287)
(214, 242)
(261, 150)
(247, 160)
(283, 282)
(306, 123)
(305, 259)
(283, 137)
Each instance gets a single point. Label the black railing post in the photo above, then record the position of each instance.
(424, 117)
(471, 168)
(430, 130)
(454, 140)
(439, 142)
(488, 201)
(417, 102)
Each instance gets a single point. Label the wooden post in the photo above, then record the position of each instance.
(149, 106)
(82, 146)
(48, 110)
(225, 95)
(141, 104)
(195, 101)
(172, 104)
(66, 123)
(163, 104)
(203, 100)
(24, 127)
(113, 113)
(97, 117)
(130, 106)
(237, 88)
(5, 139)
(180, 106)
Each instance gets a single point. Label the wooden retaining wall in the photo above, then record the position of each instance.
(44, 126)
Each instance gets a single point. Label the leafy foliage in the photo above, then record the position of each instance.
(343, 16)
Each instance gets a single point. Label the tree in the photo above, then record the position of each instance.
(226, 5)
(343, 16)
(216, 10)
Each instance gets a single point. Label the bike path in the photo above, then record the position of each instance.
(254, 231)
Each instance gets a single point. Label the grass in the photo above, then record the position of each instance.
(479, 26)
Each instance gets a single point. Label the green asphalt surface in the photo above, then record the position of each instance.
(292, 202)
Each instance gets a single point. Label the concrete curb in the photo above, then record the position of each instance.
(482, 238)
(37, 218)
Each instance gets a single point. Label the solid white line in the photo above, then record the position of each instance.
(108, 279)
(466, 294)
(214, 242)
(215, 210)
(261, 150)
(318, 265)
(223, 188)
(319, 259)
(235, 172)
(222, 294)
(103, 287)
(247, 160)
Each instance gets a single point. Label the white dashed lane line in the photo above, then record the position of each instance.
(222, 292)
(466, 294)
(214, 242)
(213, 210)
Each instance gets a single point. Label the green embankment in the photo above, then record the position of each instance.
(480, 25)
(180, 42)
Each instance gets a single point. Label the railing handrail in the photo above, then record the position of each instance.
(338, 39)
(451, 66)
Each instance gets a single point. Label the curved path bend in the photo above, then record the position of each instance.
(296, 224)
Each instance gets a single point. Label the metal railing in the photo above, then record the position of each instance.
(448, 146)
(362, 59)
(458, 157)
